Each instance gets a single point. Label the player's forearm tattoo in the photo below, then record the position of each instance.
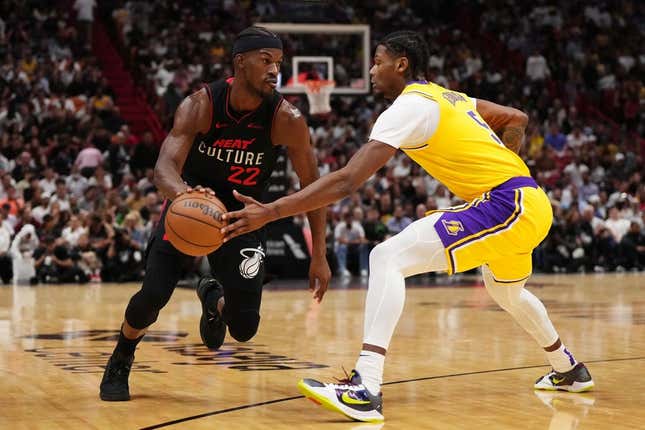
(513, 137)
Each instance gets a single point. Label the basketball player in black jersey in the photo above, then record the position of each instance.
(224, 138)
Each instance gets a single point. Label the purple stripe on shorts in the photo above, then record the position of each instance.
(517, 182)
(455, 226)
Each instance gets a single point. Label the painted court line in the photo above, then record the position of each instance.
(404, 381)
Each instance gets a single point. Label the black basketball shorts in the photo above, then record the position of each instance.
(238, 265)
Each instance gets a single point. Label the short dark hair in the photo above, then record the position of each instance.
(255, 37)
(411, 45)
(254, 31)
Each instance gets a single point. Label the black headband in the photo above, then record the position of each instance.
(251, 43)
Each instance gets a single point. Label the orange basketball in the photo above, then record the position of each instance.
(193, 223)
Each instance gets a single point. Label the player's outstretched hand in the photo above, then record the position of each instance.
(252, 217)
(197, 189)
(319, 276)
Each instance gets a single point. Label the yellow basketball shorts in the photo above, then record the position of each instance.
(500, 229)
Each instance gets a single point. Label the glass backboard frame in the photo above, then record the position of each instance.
(363, 30)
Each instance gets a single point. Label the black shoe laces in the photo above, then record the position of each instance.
(347, 380)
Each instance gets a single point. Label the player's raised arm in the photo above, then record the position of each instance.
(191, 118)
(320, 193)
(509, 123)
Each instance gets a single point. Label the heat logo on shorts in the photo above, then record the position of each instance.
(250, 266)
(452, 227)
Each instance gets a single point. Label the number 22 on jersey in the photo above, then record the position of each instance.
(244, 175)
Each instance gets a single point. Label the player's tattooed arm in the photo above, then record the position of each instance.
(513, 136)
(507, 122)
(191, 118)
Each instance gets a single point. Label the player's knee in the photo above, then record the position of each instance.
(140, 317)
(380, 255)
(506, 295)
(243, 325)
(155, 299)
(144, 307)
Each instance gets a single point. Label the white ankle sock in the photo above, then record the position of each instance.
(370, 366)
(561, 359)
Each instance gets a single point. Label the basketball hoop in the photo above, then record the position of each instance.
(318, 94)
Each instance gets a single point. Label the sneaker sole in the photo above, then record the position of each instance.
(114, 397)
(576, 387)
(203, 329)
(331, 406)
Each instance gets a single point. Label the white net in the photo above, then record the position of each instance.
(318, 94)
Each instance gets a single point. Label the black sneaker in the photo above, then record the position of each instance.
(575, 380)
(211, 327)
(114, 386)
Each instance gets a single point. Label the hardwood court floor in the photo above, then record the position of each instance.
(456, 362)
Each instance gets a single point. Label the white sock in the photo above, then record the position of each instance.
(561, 359)
(370, 366)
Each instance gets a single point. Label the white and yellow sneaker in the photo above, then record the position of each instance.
(349, 397)
(575, 380)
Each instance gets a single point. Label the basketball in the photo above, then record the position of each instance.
(193, 223)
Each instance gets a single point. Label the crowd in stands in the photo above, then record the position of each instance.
(77, 201)
(76, 198)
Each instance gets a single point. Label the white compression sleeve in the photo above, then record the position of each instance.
(417, 249)
(526, 309)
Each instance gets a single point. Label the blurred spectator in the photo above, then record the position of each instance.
(375, 230)
(54, 263)
(144, 155)
(24, 163)
(91, 199)
(88, 261)
(420, 211)
(151, 205)
(85, 17)
(6, 270)
(133, 225)
(101, 179)
(22, 250)
(88, 159)
(12, 201)
(399, 221)
(60, 197)
(76, 184)
(616, 225)
(537, 68)
(124, 258)
(48, 182)
(73, 231)
(633, 248)
(350, 241)
(100, 235)
(555, 139)
(146, 183)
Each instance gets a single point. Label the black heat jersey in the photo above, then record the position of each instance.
(236, 152)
